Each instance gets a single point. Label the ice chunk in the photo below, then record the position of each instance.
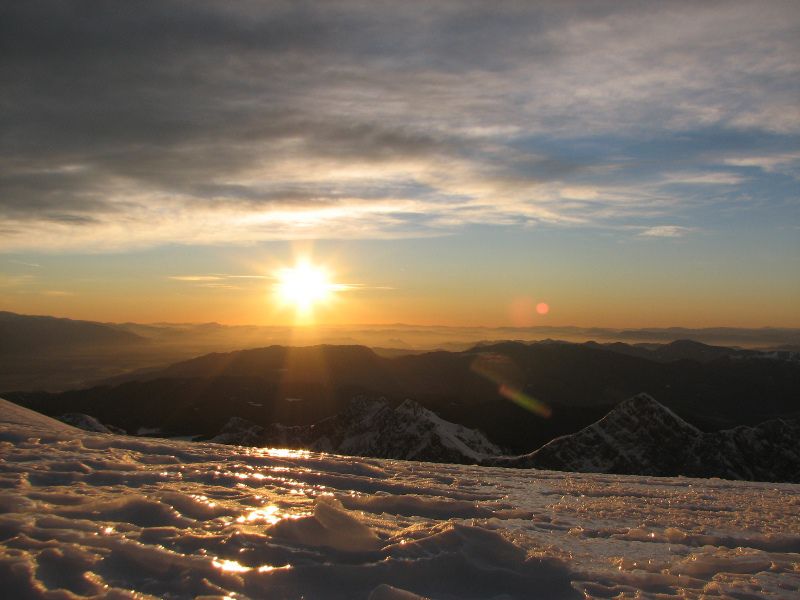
(331, 525)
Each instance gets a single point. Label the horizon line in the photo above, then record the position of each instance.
(618, 329)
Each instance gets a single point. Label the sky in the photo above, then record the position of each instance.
(629, 164)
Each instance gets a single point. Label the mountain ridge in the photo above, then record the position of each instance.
(372, 427)
(643, 437)
(37, 333)
(639, 436)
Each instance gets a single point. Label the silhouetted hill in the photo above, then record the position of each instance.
(33, 334)
(52, 354)
(300, 386)
(691, 350)
(47, 353)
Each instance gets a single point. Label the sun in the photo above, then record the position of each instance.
(303, 286)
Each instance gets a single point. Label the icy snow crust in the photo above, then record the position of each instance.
(97, 515)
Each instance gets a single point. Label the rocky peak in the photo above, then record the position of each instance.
(373, 427)
(644, 414)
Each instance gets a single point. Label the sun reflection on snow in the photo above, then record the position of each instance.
(232, 566)
(269, 514)
(247, 479)
(239, 475)
(285, 453)
(268, 568)
(203, 499)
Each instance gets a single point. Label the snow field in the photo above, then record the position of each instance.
(97, 515)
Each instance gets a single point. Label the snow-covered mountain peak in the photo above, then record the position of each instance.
(644, 414)
(373, 427)
(414, 408)
(364, 407)
(641, 436)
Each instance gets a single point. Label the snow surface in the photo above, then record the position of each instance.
(97, 515)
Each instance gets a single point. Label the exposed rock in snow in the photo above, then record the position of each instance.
(641, 436)
(85, 515)
(88, 423)
(372, 427)
(767, 452)
(241, 432)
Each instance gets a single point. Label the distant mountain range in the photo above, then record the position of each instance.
(692, 350)
(23, 334)
(56, 354)
(487, 387)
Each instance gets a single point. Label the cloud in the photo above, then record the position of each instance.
(220, 280)
(665, 231)
(220, 286)
(359, 287)
(707, 178)
(25, 263)
(195, 278)
(579, 193)
(227, 282)
(207, 123)
(17, 281)
(770, 163)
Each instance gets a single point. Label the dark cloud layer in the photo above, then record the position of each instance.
(118, 113)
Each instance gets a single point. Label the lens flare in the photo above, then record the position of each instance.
(525, 401)
(523, 312)
(501, 370)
